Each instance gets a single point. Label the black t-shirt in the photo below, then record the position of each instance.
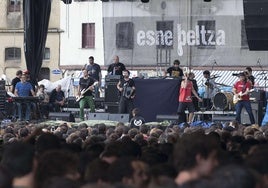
(94, 71)
(127, 87)
(85, 83)
(14, 82)
(175, 71)
(136, 121)
(116, 68)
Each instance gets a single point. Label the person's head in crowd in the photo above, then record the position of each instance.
(46, 142)
(130, 172)
(57, 163)
(18, 158)
(233, 176)
(130, 148)
(5, 178)
(96, 172)
(112, 152)
(257, 160)
(133, 132)
(64, 128)
(7, 137)
(102, 128)
(194, 159)
(144, 129)
(139, 138)
(23, 132)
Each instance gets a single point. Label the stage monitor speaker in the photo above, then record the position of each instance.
(256, 23)
(111, 92)
(167, 117)
(119, 117)
(63, 116)
(111, 108)
(98, 116)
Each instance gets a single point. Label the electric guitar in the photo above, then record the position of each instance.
(237, 97)
(83, 91)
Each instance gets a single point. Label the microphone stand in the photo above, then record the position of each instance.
(263, 73)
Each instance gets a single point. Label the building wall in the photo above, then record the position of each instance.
(11, 35)
(72, 17)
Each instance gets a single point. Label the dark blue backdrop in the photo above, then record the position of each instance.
(156, 96)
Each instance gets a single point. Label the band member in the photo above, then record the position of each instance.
(116, 68)
(249, 76)
(241, 90)
(85, 88)
(185, 97)
(210, 89)
(22, 89)
(56, 99)
(126, 86)
(175, 70)
(195, 100)
(94, 71)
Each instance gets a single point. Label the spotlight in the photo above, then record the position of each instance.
(145, 1)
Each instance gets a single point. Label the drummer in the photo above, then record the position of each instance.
(210, 91)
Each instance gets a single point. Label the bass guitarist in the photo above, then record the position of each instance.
(85, 88)
(241, 89)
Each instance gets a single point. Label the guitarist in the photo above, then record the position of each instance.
(126, 87)
(85, 88)
(241, 89)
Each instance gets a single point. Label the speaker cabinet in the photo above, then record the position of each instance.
(119, 117)
(111, 108)
(111, 92)
(98, 116)
(256, 23)
(63, 116)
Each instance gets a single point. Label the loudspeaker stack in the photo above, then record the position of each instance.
(111, 97)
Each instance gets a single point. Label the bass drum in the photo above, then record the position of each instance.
(223, 101)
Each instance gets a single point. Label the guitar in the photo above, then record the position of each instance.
(83, 91)
(237, 97)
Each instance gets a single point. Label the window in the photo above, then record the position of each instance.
(164, 36)
(244, 40)
(14, 5)
(46, 54)
(88, 35)
(207, 34)
(12, 53)
(124, 35)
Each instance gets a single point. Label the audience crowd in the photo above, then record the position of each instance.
(222, 156)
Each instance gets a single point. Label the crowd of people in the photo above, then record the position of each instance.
(221, 156)
(135, 155)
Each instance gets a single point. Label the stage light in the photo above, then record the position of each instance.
(145, 1)
(67, 1)
(207, 0)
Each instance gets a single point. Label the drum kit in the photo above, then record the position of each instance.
(222, 100)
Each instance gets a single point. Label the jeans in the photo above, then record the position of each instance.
(27, 112)
(86, 100)
(125, 106)
(238, 109)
